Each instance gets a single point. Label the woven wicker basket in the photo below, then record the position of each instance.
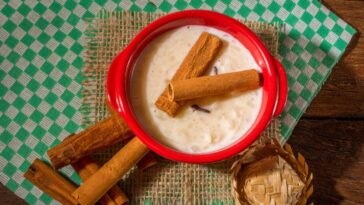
(272, 175)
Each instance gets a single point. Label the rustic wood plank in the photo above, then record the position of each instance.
(334, 151)
(7, 197)
(343, 93)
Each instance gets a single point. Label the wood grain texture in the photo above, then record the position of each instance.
(334, 151)
(343, 94)
(333, 146)
(8, 197)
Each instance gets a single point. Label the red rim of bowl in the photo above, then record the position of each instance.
(121, 68)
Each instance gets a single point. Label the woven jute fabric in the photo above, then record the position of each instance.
(167, 182)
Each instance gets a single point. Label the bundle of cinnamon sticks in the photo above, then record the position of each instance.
(75, 150)
(99, 182)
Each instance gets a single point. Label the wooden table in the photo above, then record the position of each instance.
(331, 133)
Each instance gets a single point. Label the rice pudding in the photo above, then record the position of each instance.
(193, 131)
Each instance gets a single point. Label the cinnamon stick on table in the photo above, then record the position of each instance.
(103, 134)
(88, 166)
(51, 182)
(110, 173)
(213, 85)
(149, 159)
(195, 64)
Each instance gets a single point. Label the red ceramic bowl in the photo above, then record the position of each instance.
(274, 83)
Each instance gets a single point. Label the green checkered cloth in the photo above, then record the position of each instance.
(41, 46)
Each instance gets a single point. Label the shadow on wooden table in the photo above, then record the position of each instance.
(333, 146)
(342, 96)
(334, 151)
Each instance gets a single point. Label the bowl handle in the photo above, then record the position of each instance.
(112, 76)
(282, 88)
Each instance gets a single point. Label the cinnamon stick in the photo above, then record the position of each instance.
(51, 182)
(213, 85)
(110, 173)
(195, 64)
(103, 134)
(149, 159)
(88, 166)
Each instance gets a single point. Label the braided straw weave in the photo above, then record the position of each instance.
(270, 174)
(167, 182)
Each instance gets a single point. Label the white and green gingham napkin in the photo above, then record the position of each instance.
(41, 46)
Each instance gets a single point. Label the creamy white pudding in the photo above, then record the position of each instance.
(193, 131)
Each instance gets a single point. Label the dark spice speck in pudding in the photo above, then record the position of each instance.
(193, 131)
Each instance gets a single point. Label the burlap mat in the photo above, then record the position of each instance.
(168, 182)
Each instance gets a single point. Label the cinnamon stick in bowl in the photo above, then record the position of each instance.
(206, 86)
(197, 61)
